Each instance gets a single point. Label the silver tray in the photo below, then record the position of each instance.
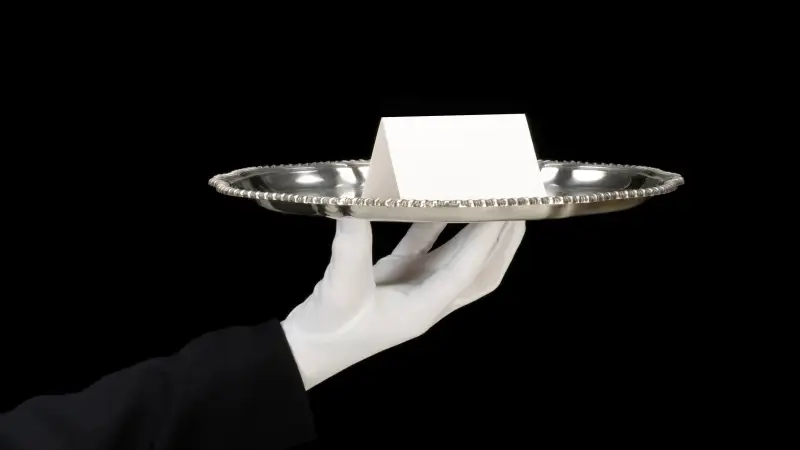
(333, 189)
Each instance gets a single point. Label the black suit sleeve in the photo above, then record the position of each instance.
(237, 388)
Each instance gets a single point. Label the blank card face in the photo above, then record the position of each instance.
(454, 157)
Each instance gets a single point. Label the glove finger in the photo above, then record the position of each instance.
(454, 265)
(349, 276)
(463, 240)
(495, 269)
(402, 265)
(419, 239)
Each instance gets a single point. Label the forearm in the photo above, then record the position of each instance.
(233, 388)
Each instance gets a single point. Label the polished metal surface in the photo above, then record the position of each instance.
(333, 189)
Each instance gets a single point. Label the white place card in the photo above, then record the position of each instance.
(454, 157)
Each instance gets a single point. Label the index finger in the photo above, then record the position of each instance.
(419, 239)
(456, 263)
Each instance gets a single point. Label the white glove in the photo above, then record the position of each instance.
(358, 310)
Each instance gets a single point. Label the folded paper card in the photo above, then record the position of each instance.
(454, 157)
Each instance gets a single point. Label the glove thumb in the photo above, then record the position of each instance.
(349, 277)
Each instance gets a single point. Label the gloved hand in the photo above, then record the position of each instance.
(358, 309)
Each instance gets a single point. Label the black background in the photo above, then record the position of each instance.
(590, 335)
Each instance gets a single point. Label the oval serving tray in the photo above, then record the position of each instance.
(333, 189)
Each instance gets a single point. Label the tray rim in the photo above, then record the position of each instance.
(221, 182)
